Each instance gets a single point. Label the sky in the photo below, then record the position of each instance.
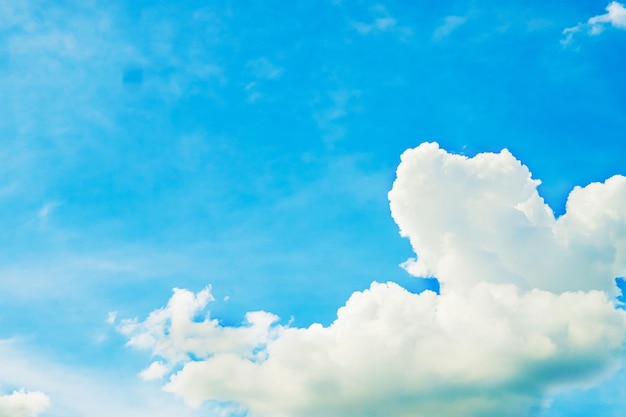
(318, 208)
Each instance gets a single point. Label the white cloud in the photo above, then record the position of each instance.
(23, 404)
(156, 370)
(174, 332)
(390, 352)
(615, 16)
(448, 26)
(525, 309)
(482, 219)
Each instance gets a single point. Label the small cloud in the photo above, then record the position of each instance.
(156, 370)
(23, 403)
(449, 24)
(111, 317)
(615, 16)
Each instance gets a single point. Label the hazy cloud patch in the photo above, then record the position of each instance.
(449, 24)
(381, 22)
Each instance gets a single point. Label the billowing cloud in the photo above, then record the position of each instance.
(482, 219)
(526, 309)
(615, 16)
(23, 404)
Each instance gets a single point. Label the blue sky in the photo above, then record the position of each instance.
(152, 145)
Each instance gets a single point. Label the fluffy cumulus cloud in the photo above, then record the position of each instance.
(482, 219)
(23, 404)
(615, 16)
(527, 308)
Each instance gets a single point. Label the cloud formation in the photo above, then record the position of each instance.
(526, 309)
(23, 404)
(482, 219)
(615, 16)
(175, 332)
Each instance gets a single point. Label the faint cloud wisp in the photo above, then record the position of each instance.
(449, 24)
(615, 16)
(383, 23)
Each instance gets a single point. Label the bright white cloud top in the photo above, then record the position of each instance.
(526, 309)
(23, 404)
(482, 219)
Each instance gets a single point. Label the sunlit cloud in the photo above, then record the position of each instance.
(526, 309)
(23, 403)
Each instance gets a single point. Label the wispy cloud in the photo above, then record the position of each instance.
(46, 209)
(449, 24)
(328, 118)
(157, 370)
(381, 23)
(111, 317)
(262, 70)
(615, 16)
